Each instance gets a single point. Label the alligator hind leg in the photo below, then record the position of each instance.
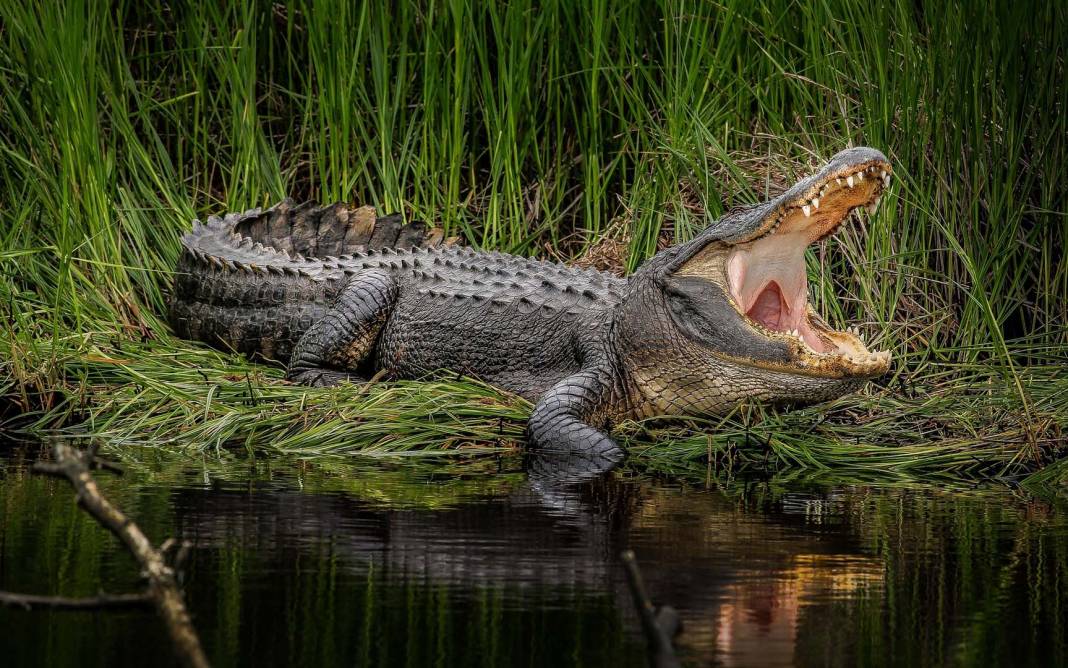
(332, 349)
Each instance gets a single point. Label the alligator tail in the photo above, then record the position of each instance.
(253, 282)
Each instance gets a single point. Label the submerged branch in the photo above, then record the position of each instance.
(658, 626)
(100, 602)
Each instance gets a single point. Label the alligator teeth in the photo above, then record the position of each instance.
(855, 331)
(815, 202)
(867, 358)
(808, 210)
(860, 176)
(886, 180)
(839, 181)
(849, 181)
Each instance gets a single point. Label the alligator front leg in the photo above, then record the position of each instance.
(562, 422)
(331, 350)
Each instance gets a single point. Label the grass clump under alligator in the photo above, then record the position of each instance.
(594, 131)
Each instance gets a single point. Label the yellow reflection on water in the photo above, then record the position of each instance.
(756, 624)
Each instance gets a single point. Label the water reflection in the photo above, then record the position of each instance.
(757, 621)
(330, 564)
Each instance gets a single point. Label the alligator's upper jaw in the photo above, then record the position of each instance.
(766, 273)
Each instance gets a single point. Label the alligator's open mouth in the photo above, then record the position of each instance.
(767, 279)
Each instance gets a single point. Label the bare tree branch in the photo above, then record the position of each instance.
(162, 589)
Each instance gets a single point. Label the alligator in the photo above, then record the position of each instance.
(695, 330)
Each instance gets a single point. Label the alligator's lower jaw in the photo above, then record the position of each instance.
(769, 286)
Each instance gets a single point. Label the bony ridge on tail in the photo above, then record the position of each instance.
(700, 327)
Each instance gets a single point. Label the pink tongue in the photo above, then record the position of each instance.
(769, 308)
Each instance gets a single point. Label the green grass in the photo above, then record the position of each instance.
(540, 129)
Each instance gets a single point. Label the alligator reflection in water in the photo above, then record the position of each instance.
(737, 578)
(354, 569)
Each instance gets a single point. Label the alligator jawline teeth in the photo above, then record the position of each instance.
(767, 276)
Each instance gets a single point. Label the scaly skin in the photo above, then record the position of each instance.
(586, 347)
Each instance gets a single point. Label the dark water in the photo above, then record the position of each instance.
(328, 563)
